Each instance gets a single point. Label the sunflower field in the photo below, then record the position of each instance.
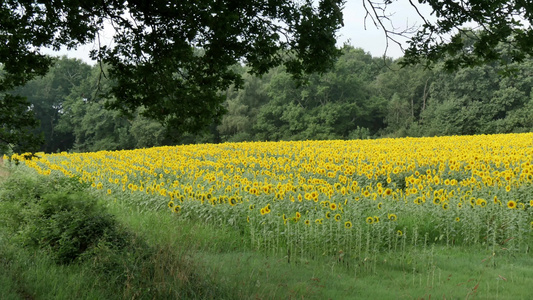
(343, 199)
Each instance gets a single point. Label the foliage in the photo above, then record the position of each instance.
(55, 234)
(171, 57)
(446, 39)
(48, 96)
(16, 121)
(67, 222)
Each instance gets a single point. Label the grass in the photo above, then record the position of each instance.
(171, 258)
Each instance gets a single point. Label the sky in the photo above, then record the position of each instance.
(371, 39)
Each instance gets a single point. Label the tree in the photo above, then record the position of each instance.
(171, 57)
(334, 105)
(406, 90)
(444, 34)
(16, 124)
(47, 94)
(478, 101)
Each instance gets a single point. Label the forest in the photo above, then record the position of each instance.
(361, 97)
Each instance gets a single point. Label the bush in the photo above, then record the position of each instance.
(59, 216)
(69, 224)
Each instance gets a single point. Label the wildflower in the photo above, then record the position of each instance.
(348, 224)
(511, 204)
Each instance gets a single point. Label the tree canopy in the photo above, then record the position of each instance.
(173, 61)
(171, 57)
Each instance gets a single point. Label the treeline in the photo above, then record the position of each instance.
(361, 97)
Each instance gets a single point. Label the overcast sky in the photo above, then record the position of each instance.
(354, 33)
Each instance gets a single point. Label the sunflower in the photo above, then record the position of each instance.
(380, 205)
(171, 204)
(399, 233)
(298, 215)
(333, 206)
(328, 215)
(369, 220)
(251, 207)
(507, 188)
(337, 217)
(511, 204)
(392, 217)
(348, 225)
(232, 201)
(262, 211)
(343, 191)
(307, 222)
(445, 206)
(481, 202)
(376, 219)
(457, 219)
(176, 209)
(109, 191)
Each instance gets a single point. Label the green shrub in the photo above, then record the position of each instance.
(69, 224)
(59, 215)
